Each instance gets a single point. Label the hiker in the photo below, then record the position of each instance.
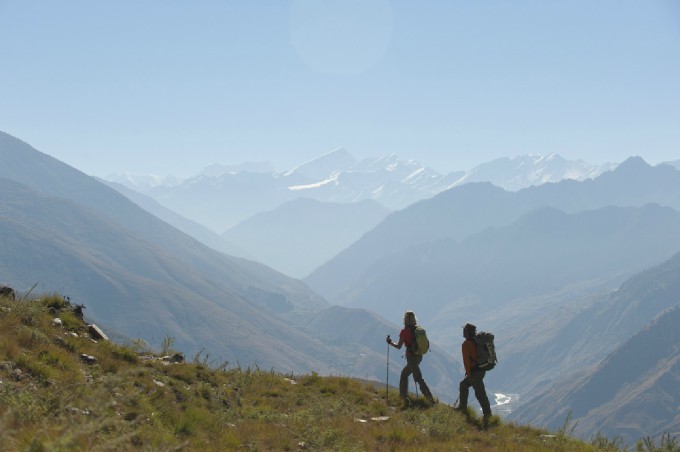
(474, 376)
(407, 337)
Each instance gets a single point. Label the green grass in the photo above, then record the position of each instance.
(52, 400)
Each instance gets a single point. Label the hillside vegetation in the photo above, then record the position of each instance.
(62, 390)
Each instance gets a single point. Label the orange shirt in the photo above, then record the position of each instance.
(469, 355)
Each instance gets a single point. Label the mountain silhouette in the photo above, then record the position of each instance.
(541, 252)
(468, 209)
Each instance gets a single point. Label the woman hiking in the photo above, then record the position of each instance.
(407, 337)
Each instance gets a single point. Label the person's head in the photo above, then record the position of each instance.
(469, 331)
(410, 318)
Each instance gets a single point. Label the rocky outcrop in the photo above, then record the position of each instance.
(6, 291)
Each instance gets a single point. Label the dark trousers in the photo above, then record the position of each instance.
(413, 367)
(476, 380)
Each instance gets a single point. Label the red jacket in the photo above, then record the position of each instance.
(407, 337)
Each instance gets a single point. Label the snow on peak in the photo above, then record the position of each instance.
(333, 178)
(533, 169)
(322, 167)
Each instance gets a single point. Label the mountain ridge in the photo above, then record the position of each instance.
(464, 210)
(542, 248)
(338, 176)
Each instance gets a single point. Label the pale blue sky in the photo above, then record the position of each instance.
(168, 87)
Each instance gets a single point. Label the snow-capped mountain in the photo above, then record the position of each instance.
(322, 167)
(221, 196)
(393, 182)
(527, 170)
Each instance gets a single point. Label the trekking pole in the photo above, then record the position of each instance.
(387, 381)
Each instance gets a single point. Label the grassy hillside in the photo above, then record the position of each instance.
(62, 390)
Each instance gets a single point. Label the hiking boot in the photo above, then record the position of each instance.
(485, 422)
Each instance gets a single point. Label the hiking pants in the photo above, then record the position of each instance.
(413, 367)
(476, 380)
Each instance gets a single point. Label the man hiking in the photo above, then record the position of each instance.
(474, 376)
(407, 337)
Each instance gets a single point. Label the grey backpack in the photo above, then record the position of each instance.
(486, 351)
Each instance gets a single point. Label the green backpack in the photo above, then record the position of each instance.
(421, 345)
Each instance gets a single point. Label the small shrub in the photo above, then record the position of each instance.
(668, 443)
(201, 358)
(167, 345)
(126, 354)
(70, 321)
(185, 373)
(566, 432)
(602, 443)
(55, 303)
(311, 380)
(30, 337)
(140, 346)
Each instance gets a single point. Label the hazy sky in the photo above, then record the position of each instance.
(168, 86)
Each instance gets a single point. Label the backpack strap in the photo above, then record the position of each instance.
(475, 363)
(413, 338)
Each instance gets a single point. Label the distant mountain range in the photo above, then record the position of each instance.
(468, 209)
(541, 252)
(252, 205)
(221, 196)
(517, 173)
